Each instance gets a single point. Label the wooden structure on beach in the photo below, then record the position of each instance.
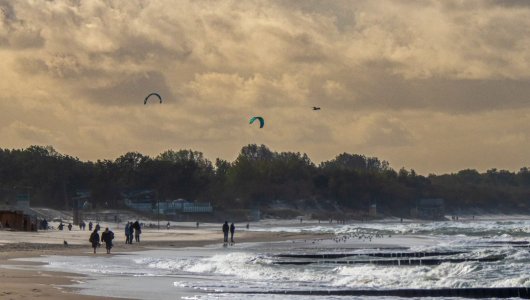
(17, 220)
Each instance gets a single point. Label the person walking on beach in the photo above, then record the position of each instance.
(90, 226)
(69, 226)
(232, 230)
(94, 239)
(131, 232)
(137, 231)
(127, 233)
(225, 231)
(107, 236)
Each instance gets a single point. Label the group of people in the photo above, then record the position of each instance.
(132, 229)
(107, 236)
(82, 225)
(226, 229)
(61, 226)
(44, 225)
(135, 229)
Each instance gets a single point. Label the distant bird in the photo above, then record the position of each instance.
(65, 243)
(316, 108)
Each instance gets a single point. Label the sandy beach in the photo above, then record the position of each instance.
(19, 283)
(493, 234)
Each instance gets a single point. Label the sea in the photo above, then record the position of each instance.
(390, 254)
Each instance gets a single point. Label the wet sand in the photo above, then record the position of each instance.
(17, 281)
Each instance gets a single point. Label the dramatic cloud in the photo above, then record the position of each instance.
(432, 85)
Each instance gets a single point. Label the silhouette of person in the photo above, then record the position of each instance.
(131, 232)
(94, 239)
(232, 230)
(107, 236)
(225, 231)
(137, 231)
(127, 233)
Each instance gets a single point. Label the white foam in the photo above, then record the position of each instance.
(252, 267)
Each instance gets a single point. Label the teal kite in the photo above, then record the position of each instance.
(261, 121)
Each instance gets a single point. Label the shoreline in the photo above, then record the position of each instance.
(22, 279)
(18, 280)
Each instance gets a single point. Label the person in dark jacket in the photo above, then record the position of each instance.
(94, 239)
(127, 233)
(137, 231)
(107, 236)
(131, 232)
(225, 231)
(232, 230)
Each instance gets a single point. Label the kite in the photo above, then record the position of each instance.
(152, 94)
(261, 121)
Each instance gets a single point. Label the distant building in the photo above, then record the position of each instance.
(429, 209)
(17, 220)
(172, 207)
(140, 200)
(145, 201)
(197, 208)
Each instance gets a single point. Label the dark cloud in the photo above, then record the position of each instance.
(17, 34)
(7, 12)
(445, 95)
(130, 90)
(510, 3)
(386, 73)
(374, 87)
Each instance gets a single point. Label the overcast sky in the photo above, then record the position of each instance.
(434, 86)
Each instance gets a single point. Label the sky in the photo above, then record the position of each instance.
(434, 86)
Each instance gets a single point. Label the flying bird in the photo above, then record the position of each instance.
(316, 108)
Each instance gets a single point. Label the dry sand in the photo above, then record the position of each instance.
(18, 283)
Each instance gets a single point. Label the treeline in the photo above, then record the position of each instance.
(257, 178)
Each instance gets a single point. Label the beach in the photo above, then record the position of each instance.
(272, 257)
(19, 280)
